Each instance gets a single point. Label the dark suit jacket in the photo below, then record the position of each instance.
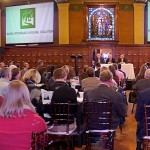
(143, 98)
(64, 94)
(102, 61)
(112, 61)
(124, 60)
(141, 84)
(97, 72)
(104, 92)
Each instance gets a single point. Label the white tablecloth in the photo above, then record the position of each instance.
(127, 68)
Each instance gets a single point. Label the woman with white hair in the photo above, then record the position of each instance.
(31, 78)
(18, 118)
(143, 83)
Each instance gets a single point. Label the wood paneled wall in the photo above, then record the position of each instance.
(60, 54)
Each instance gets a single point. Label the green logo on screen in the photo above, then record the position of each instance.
(27, 18)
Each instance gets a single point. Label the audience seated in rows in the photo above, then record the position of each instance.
(91, 81)
(103, 91)
(18, 118)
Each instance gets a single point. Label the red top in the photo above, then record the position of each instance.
(15, 133)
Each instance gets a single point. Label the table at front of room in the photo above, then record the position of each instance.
(129, 70)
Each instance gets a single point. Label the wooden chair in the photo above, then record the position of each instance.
(61, 132)
(39, 140)
(146, 139)
(98, 123)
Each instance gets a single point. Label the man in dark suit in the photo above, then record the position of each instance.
(99, 58)
(122, 59)
(104, 91)
(143, 98)
(110, 59)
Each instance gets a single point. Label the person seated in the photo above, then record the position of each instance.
(119, 68)
(110, 59)
(4, 80)
(99, 58)
(141, 73)
(91, 81)
(143, 99)
(97, 67)
(122, 59)
(31, 78)
(104, 91)
(15, 74)
(41, 69)
(60, 79)
(62, 92)
(113, 71)
(143, 83)
(18, 118)
(84, 74)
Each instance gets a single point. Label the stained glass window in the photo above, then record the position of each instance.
(101, 23)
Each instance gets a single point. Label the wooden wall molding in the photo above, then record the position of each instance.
(60, 54)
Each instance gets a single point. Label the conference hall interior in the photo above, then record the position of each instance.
(75, 74)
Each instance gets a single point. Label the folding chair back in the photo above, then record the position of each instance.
(98, 122)
(146, 139)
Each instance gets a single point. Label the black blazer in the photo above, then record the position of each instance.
(112, 61)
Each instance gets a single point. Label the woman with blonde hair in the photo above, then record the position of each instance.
(31, 78)
(18, 118)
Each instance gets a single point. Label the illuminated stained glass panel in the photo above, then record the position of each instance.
(101, 24)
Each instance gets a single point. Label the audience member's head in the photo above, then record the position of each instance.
(66, 68)
(26, 65)
(15, 73)
(60, 74)
(32, 74)
(6, 73)
(103, 68)
(10, 63)
(85, 67)
(106, 76)
(17, 99)
(147, 74)
(90, 72)
(97, 65)
(40, 62)
(12, 66)
(2, 65)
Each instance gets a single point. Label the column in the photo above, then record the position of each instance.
(63, 21)
(139, 23)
